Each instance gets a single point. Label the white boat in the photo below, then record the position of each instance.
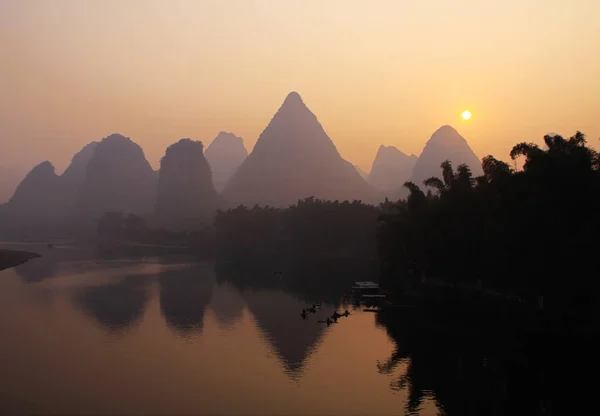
(365, 286)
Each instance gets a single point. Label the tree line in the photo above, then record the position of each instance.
(310, 228)
(531, 232)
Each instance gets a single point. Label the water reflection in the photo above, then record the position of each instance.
(38, 269)
(487, 369)
(227, 304)
(184, 295)
(275, 296)
(277, 315)
(118, 306)
(312, 280)
(465, 366)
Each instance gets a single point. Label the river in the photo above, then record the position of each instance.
(83, 335)
(89, 334)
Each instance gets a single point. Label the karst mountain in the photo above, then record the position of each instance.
(294, 159)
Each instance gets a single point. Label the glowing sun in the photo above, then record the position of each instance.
(466, 115)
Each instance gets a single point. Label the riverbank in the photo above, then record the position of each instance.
(471, 308)
(12, 258)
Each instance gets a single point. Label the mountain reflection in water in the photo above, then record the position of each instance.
(184, 296)
(115, 306)
(170, 335)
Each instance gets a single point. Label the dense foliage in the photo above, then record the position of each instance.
(532, 232)
(115, 228)
(311, 228)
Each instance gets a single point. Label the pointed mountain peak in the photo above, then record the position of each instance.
(293, 98)
(292, 159)
(224, 155)
(391, 154)
(389, 150)
(37, 192)
(446, 129)
(446, 134)
(445, 144)
(390, 169)
(293, 105)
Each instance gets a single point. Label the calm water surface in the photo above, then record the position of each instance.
(170, 336)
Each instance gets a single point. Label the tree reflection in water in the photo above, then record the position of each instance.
(484, 371)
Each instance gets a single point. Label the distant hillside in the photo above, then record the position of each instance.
(118, 178)
(224, 155)
(186, 195)
(391, 168)
(445, 144)
(362, 172)
(293, 159)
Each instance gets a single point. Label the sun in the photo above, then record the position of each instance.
(466, 115)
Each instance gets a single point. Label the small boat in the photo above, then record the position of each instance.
(365, 286)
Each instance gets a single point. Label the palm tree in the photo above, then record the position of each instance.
(436, 183)
(495, 170)
(561, 153)
(417, 198)
(462, 179)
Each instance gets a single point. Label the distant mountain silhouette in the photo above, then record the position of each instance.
(36, 196)
(225, 154)
(186, 195)
(45, 196)
(391, 168)
(9, 177)
(74, 175)
(118, 178)
(445, 144)
(293, 159)
(362, 172)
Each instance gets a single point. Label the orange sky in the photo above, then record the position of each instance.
(374, 72)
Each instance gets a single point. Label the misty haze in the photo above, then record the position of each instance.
(299, 208)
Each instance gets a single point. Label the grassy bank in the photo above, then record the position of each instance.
(12, 258)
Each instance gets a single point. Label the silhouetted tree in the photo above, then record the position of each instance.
(311, 228)
(529, 233)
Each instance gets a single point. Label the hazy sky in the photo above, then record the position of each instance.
(374, 72)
